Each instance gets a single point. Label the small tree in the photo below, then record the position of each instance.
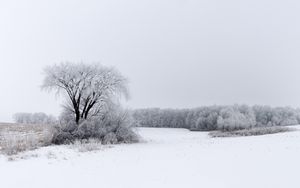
(88, 87)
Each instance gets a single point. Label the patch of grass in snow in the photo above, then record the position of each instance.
(16, 138)
(87, 145)
(251, 132)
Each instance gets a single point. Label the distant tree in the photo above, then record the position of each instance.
(22, 118)
(34, 118)
(236, 117)
(284, 116)
(89, 88)
(264, 115)
(206, 118)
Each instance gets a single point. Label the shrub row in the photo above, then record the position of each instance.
(115, 126)
(251, 132)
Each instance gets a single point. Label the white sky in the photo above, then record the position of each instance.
(176, 53)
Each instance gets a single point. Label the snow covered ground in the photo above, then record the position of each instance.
(169, 158)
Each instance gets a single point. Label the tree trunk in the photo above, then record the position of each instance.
(77, 114)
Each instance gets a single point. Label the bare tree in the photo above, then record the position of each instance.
(88, 87)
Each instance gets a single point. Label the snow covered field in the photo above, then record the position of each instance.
(169, 158)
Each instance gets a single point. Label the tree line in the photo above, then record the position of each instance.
(34, 118)
(217, 117)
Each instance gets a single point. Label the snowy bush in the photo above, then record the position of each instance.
(110, 138)
(113, 126)
(126, 135)
(62, 137)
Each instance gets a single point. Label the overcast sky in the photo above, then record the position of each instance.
(176, 53)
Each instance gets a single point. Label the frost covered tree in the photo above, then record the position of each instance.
(284, 116)
(236, 117)
(264, 115)
(280, 116)
(88, 88)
